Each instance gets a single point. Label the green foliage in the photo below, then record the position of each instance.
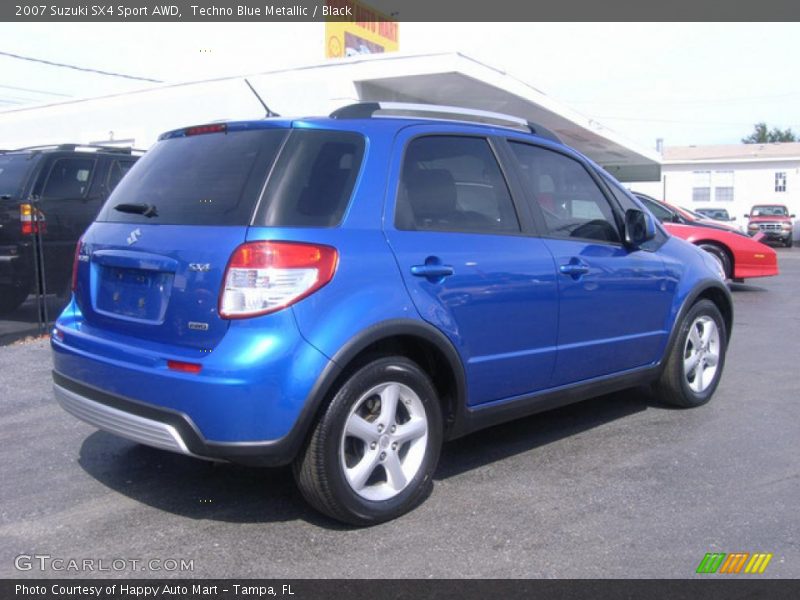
(763, 135)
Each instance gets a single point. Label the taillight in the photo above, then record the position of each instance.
(263, 277)
(75, 262)
(31, 220)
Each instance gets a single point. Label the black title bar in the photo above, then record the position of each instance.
(709, 588)
(401, 10)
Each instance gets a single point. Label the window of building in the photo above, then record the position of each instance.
(780, 181)
(723, 186)
(701, 186)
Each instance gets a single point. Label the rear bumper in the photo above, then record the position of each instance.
(166, 429)
(154, 430)
(253, 402)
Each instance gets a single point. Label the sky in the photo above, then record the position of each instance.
(687, 83)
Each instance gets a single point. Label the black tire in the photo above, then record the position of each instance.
(721, 256)
(675, 384)
(11, 298)
(320, 468)
(789, 242)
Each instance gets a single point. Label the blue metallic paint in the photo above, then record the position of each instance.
(519, 326)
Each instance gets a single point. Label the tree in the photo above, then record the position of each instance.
(762, 135)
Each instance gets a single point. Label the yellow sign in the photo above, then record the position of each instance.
(358, 29)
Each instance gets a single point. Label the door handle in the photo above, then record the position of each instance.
(574, 269)
(432, 271)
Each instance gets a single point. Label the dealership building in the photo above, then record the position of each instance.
(733, 177)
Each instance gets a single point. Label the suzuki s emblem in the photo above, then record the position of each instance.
(201, 267)
(134, 236)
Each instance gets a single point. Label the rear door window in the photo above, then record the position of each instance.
(206, 179)
(69, 178)
(453, 183)
(313, 179)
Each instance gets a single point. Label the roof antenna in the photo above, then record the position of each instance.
(270, 113)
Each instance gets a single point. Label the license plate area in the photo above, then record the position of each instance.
(133, 294)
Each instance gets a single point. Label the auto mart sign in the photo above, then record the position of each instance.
(354, 28)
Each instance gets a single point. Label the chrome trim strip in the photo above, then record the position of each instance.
(121, 423)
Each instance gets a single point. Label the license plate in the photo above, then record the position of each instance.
(133, 293)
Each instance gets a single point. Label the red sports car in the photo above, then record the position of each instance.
(739, 255)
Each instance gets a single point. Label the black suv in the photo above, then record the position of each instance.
(48, 196)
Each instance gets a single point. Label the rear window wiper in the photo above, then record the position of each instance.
(147, 210)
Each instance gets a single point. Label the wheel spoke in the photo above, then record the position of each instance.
(394, 471)
(708, 331)
(694, 337)
(359, 474)
(360, 428)
(698, 378)
(689, 364)
(412, 430)
(389, 398)
(712, 359)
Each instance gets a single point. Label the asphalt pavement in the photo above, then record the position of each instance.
(613, 487)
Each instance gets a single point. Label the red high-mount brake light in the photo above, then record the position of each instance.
(202, 129)
(75, 261)
(263, 277)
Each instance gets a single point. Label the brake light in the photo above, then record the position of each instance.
(184, 367)
(201, 129)
(31, 220)
(75, 262)
(263, 277)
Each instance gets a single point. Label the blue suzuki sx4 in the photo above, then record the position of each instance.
(346, 293)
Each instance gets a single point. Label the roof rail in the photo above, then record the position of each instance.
(367, 110)
(75, 147)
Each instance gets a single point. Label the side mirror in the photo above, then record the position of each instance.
(747, 216)
(639, 227)
(791, 216)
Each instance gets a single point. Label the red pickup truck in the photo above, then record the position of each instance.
(773, 220)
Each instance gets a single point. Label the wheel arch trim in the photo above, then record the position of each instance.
(702, 289)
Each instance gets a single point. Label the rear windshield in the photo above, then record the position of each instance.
(13, 171)
(208, 179)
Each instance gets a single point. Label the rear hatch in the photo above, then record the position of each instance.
(152, 264)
